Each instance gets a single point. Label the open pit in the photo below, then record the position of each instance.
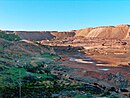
(98, 58)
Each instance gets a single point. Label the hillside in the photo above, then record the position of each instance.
(28, 69)
(34, 35)
(91, 62)
(61, 35)
(117, 32)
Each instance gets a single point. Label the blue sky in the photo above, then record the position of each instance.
(62, 14)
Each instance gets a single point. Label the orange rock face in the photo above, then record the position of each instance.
(118, 32)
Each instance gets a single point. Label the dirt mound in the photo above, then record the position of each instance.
(83, 32)
(34, 35)
(118, 32)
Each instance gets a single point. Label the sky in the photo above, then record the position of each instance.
(62, 15)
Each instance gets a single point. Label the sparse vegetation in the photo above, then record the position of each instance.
(34, 70)
(10, 37)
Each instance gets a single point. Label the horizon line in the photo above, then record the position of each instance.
(62, 30)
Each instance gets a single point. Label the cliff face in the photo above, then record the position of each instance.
(119, 32)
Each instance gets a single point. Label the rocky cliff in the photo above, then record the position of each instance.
(119, 32)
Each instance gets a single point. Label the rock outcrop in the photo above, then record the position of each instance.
(118, 32)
